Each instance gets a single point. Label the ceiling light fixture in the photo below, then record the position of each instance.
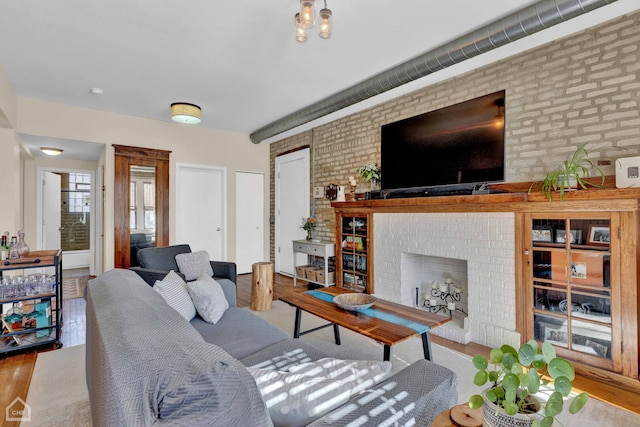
(306, 19)
(51, 151)
(183, 112)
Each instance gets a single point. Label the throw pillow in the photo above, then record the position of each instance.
(174, 291)
(208, 297)
(309, 390)
(194, 264)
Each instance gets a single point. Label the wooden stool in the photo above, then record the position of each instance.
(459, 416)
(261, 286)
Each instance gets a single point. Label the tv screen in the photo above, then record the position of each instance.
(457, 146)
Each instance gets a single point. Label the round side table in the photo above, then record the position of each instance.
(459, 416)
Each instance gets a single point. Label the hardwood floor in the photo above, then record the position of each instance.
(16, 370)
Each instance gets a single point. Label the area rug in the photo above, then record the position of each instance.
(73, 287)
(58, 394)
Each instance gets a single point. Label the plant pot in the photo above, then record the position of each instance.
(573, 183)
(502, 419)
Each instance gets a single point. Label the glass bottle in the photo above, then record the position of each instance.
(23, 249)
(13, 248)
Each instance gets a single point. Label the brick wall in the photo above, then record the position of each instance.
(584, 87)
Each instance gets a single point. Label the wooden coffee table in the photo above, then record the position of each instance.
(383, 331)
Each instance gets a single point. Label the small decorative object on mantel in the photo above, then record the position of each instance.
(309, 225)
(370, 173)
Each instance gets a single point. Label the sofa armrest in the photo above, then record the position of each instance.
(224, 270)
(150, 275)
(426, 388)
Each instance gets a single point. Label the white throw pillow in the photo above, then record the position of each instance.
(208, 297)
(194, 265)
(174, 291)
(310, 390)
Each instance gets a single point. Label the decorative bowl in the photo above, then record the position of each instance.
(354, 302)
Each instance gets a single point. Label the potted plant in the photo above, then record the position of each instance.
(573, 173)
(517, 378)
(370, 173)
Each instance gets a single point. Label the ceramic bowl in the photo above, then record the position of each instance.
(354, 302)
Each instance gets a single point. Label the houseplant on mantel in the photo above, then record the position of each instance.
(571, 174)
(370, 173)
(516, 377)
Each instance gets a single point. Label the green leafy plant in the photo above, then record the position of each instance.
(573, 172)
(369, 172)
(516, 375)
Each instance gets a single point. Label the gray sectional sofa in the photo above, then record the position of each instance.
(148, 365)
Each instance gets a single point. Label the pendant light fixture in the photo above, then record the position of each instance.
(306, 19)
(183, 112)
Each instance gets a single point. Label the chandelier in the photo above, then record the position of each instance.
(306, 19)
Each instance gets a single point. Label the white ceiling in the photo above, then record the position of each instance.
(236, 59)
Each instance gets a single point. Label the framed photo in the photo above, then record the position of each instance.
(600, 349)
(599, 235)
(556, 335)
(542, 234)
(575, 236)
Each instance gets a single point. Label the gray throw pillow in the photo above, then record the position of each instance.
(208, 297)
(194, 265)
(309, 390)
(174, 291)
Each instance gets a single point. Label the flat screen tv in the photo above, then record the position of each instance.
(455, 147)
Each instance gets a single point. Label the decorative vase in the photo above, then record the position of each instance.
(375, 185)
(309, 235)
(23, 249)
(502, 419)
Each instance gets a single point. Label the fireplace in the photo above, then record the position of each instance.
(475, 250)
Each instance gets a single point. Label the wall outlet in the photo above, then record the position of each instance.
(318, 192)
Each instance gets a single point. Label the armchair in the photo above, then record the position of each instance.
(155, 264)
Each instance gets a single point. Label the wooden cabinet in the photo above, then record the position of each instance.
(354, 252)
(580, 287)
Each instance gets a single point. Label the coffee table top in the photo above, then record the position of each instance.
(374, 328)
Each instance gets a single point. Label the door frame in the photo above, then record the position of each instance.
(305, 155)
(93, 248)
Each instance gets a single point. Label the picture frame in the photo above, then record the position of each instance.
(542, 234)
(575, 236)
(599, 235)
(600, 349)
(555, 334)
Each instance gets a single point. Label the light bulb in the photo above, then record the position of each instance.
(307, 14)
(324, 29)
(301, 32)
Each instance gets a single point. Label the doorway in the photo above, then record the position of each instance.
(292, 200)
(66, 215)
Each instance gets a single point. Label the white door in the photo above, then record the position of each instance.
(51, 204)
(201, 209)
(249, 220)
(292, 206)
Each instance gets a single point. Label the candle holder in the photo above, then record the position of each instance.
(447, 299)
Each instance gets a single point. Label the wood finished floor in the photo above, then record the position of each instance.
(16, 370)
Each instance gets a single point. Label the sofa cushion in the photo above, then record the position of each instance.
(239, 332)
(281, 355)
(174, 291)
(208, 297)
(310, 390)
(194, 265)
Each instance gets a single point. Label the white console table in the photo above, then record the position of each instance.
(325, 250)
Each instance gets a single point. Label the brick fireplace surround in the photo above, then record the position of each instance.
(485, 241)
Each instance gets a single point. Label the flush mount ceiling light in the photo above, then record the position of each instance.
(51, 151)
(306, 19)
(183, 112)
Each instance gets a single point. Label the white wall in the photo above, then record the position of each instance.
(188, 144)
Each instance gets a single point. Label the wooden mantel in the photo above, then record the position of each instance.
(591, 200)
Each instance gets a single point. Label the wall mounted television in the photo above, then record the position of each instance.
(450, 149)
